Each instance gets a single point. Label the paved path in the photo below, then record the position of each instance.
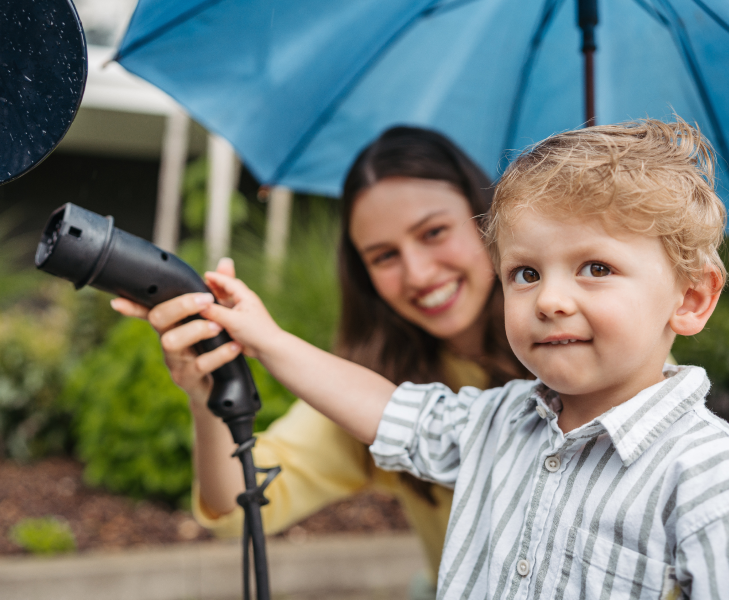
(345, 567)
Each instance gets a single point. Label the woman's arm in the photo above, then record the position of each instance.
(320, 463)
(350, 395)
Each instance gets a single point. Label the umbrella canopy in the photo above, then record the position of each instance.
(299, 87)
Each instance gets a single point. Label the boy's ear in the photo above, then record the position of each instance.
(699, 302)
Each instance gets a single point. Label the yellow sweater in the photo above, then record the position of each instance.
(321, 464)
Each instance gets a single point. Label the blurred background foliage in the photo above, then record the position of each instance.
(76, 378)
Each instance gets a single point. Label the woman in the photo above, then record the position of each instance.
(419, 303)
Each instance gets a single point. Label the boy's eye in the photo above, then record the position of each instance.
(526, 275)
(595, 270)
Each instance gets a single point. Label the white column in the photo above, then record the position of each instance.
(278, 223)
(222, 179)
(169, 182)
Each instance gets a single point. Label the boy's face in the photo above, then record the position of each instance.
(587, 308)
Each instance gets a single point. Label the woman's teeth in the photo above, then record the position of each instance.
(439, 296)
(562, 342)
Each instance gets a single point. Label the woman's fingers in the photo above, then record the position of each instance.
(129, 308)
(186, 335)
(208, 362)
(168, 314)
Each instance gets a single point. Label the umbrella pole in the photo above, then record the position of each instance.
(587, 21)
(589, 88)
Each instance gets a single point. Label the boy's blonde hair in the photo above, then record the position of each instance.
(646, 176)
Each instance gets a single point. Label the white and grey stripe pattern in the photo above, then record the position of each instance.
(633, 505)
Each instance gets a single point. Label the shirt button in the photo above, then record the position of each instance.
(552, 463)
(541, 412)
(522, 567)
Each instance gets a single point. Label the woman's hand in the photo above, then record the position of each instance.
(188, 370)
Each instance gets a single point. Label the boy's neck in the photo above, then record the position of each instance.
(578, 410)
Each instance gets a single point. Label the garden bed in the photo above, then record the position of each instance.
(100, 520)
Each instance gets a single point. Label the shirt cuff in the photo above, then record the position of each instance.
(395, 441)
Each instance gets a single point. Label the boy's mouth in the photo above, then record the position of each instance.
(555, 340)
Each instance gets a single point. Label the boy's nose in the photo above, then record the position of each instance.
(553, 300)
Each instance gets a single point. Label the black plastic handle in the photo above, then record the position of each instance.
(86, 249)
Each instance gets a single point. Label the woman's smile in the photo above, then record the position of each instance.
(439, 299)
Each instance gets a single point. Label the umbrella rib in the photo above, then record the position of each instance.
(719, 21)
(162, 29)
(550, 7)
(447, 7)
(684, 45)
(651, 10)
(325, 115)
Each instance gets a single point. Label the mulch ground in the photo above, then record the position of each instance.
(55, 487)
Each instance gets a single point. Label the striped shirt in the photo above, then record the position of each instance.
(634, 504)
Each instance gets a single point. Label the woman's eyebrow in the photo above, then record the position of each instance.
(425, 219)
(413, 227)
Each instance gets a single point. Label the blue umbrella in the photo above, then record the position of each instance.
(300, 86)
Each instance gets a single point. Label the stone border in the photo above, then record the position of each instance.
(211, 570)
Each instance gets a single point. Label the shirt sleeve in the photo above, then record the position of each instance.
(703, 562)
(320, 463)
(420, 431)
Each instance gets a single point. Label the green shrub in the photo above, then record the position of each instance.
(131, 422)
(47, 535)
(41, 338)
(35, 351)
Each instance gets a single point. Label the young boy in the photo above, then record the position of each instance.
(607, 477)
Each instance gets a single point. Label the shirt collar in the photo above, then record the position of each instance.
(542, 396)
(634, 425)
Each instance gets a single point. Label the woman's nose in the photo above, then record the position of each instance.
(419, 267)
(554, 299)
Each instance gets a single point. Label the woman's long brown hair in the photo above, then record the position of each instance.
(370, 332)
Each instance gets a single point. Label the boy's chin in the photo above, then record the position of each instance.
(566, 385)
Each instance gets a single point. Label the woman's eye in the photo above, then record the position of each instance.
(380, 258)
(526, 275)
(433, 233)
(595, 270)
